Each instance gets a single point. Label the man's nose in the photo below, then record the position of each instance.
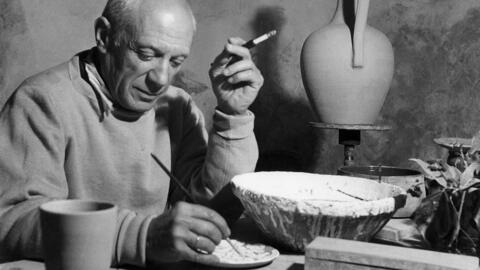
(158, 76)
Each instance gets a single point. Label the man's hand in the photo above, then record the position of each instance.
(186, 232)
(235, 78)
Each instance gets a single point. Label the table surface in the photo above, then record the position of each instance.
(285, 261)
(243, 230)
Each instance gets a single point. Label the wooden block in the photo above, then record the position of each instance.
(332, 253)
(311, 264)
(400, 232)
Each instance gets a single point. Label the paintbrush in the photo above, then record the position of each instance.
(187, 193)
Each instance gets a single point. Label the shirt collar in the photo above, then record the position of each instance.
(98, 85)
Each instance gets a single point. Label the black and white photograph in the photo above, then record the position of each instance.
(239, 134)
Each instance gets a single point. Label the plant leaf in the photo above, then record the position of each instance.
(442, 227)
(429, 173)
(451, 173)
(458, 214)
(469, 174)
(476, 218)
(473, 189)
(475, 143)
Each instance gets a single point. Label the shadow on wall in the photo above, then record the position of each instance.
(281, 123)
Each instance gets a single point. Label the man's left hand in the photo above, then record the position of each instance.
(235, 78)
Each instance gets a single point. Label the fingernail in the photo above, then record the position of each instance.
(226, 72)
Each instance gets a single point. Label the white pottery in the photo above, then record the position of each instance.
(347, 79)
(411, 180)
(78, 234)
(292, 208)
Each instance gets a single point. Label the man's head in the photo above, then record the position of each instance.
(142, 45)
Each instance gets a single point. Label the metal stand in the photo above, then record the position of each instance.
(349, 136)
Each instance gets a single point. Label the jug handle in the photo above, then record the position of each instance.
(361, 15)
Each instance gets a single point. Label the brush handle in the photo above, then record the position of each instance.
(212, 203)
(175, 180)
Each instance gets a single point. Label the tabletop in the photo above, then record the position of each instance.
(243, 230)
(284, 262)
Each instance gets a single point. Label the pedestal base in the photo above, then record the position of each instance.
(349, 136)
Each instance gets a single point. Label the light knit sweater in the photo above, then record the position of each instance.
(57, 142)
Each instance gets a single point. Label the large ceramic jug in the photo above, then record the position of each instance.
(347, 79)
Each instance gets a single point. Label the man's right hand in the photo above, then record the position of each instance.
(181, 232)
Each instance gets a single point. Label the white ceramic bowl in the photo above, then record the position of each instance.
(408, 179)
(292, 208)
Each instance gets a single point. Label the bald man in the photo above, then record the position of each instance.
(85, 129)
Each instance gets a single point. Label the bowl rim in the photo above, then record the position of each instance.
(369, 181)
(308, 206)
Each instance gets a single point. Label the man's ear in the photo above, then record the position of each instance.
(102, 34)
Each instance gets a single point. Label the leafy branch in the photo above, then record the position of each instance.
(453, 226)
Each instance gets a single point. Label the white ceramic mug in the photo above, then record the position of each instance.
(78, 234)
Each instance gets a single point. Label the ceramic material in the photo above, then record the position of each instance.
(253, 255)
(292, 208)
(347, 79)
(77, 234)
(410, 180)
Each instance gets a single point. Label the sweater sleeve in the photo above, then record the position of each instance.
(31, 170)
(33, 148)
(208, 164)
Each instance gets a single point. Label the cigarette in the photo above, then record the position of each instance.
(254, 42)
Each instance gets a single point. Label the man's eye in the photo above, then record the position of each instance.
(144, 57)
(176, 63)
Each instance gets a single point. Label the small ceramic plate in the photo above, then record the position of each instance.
(253, 254)
(452, 142)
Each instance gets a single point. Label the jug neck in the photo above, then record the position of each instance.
(338, 17)
(345, 13)
(353, 13)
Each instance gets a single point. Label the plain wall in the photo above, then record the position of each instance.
(434, 93)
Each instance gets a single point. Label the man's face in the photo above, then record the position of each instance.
(138, 72)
